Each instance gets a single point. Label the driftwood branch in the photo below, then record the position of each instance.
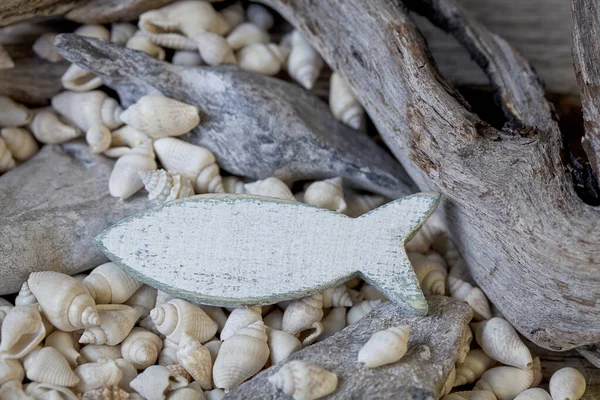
(13, 11)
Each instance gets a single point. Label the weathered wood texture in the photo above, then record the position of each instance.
(13, 11)
(107, 11)
(529, 241)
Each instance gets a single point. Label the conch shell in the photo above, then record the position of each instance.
(259, 16)
(385, 347)
(13, 114)
(304, 63)
(473, 296)
(270, 187)
(20, 142)
(246, 34)
(337, 296)
(7, 162)
(360, 310)
(214, 49)
(48, 128)
(116, 321)
(156, 380)
(77, 78)
(177, 316)
(304, 381)
(125, 178)
(301, 314)
(141, 42)
(109, 284)
(501, 342)
(141, 348)
(431, 272)
(343, 104)
(99, 374)
(327, 194)
(164, 186)
(567, 384)
(262, 58)
(476, 363)
(64, 343)
(240, 318)
(281, 345)
(505, 382)
(196, 360)
(48, 365)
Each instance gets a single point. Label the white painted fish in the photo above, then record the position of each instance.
(229, 250)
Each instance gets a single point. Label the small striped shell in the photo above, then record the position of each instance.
(304, 64)
(270, 187)
(20, 142)
(281, 345)
(141, 42)
(109, 284)
(534, 394)
(240, 318)
(116, 321)
(141, 348)
(164, 186)
(475, 364)
(106, 393)
(505, 382)
(48, 365)
(25, 297)
(47, 127)
(343, 103)
(501, 342)
(337, 296)
(473, 296)
(180, 370)
(360, 310)
(125, 178)
(246, 34)
(171, 40)
(567, 384)
(176, 317)
(234, 185)
(196, 360)
(431, 272)
(385, 347)
(187, 17)
(261, 58)
(39, 390)
(327, 194)
(65, 344)
(304, 381)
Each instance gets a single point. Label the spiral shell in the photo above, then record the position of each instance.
(171, 40)
(6, 61)
(96, 352)
(187, 58)
(270, 187)
(246, 34)
(64, 343)
(156, 380)
(333, 323)
(304, 64)
(13, 114)
(567, 384)
(194, 162)
(177, 316)
(7, 162)
(20, 142)
(180, 370)
(534, 394)
(501, 342)
(470, 370)
(48, 128)
(343, 103)
(473, 296)
(505, 382)
(337, 296)
(10, 369)
(196, 360)
(48, 365)
(385, 347)
(261, 58)
(281, 345)
(234, 185)
(240, 318)
(141, 42)
(360, 310)
(472, 395)
(109, 284)
(304, 381)
(116, 321)
(143, 300)
(168, 354)
(301, 314)
(274, 319)
(214, 49)
(120, 32)
(25, 297)
(99, 374)
(38, 390)
(327, 194)
(241, 356)
(141, 348)
(431, 272)
(125, 177)
(259, 16)
(164, 186)
(128, 136)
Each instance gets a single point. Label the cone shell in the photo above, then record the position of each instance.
(337, 296)
(142, 42)
(501, 342)
(143, 300)
(48, 128)
(470, 370)
(10, 369)
(360, 310)
(281, 345)
(304, 381)
(103, 373)
(96, 352)
(343, 104)
(270, 187)
(6, 61)
(121, 32)
(567, 384)
(164, 186)
(240, 318)
(7, 162)
(187, 58)
(333, 323)
(241, 356)
(505, 382)
(327, 194)
(246, 34)
(64, 343)
(431, 272)
(38, 390)
(187, 17)
(156, 380)
(473, 296)
(25, 297)
(234, 185)
(472, 395)
(116, 321)
(13, 114)
(259, 16)
(109, 284)
(177, 316)
(125, 178)
(13, 390)
(385, 347)
(304, 63)
(48, 365)
(141, 348)
(234, 14)
(20, 142)
(196, 359)
(22, 330)
(359, 204)
(266, 59)
(534, 394)
(302, 313)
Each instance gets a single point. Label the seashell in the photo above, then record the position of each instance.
(302, 313)
(215, 394)
(164, 186)
(359, 204)
(121, 32)
(177, 316)
(102, 373)
(171, 40)
(281, 345)
(534, 394)
(93, 31)
(48, 128)
(360, 310)
(240, 318)
(304, 381)
(327, 194)
(128, 372)
(196, 360)
(180, 370)
(6, 61)
(13, 114)
(234, 14)
(156, 380)
(106, 393)
(25, 297)
(505, 382)
(162, 298)
(274, 319)
(187, 58)
(270, 187)
(143, 300)
(473, 296)
(168, 354)
(343, 103)
(470, 370)
(185, 394)
(125, 178)
(10, 369)
(385, 347)
(537, 372)
(64, 300)
(213, 348)
(567, 384)
(22, 330)
(431, 272)
(214, 49)
(148, 324)
(266, 59)
(64, 343)
(246, 34)
(141, 42)
(128, 136)
(501, 342)
(93, 112)
(447, 386)
(13, 390)
(116, 321)
(20, 142)
(241, 356)
(369, 292)
(473, 395)
(43, 391)
(307, 337)
(234, 185)
(44, 47)
(78, 79)
(216, 314)
(7, 162)
(141, 348)
(116, 152)
(48, 365)
(426, 235)
(187, 17)
(194, 162)
(260, 17)
(337, 296)
(333, 323)
(96, 352)
(304, 64)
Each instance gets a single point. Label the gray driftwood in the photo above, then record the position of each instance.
(107, 11)
(433, 348)
(52, 207)
(257, 126)
(530, 242)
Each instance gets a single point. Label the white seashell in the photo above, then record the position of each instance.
(128, 136)
(44, 47)
(567, 384)
(79, 79)
(360, 310)
(162, 298)
(216, 314)
(537, 372)
(7, 162)
(196, 360)
(337, 296)
(25, 297)
(20, 142)
(473, 296)
(281, 345)
(241, 356)
(128, 372)
(274, 319)
(177, 316)
(96, 352)
(125, 178)
(22, 330)
(356, 296)
(185, 394)
(213, 348)
(148, 323)
(93, 31)
(343, 103)
(116, 152)
(121, 32)
(447, 386)
(64, 343)
(327, 194)
(48, 128)
(143, 300)
(431, 272)
(13, 390)
(168, 354)
(501, 342)
(215, 394)
(246, 34)
(187, 58)
(6, 61)
(99, 374)
(180, 370)
(116, 321)
(141, 42)
(109, 284)
(156, 380)
(301, 314)
(48, 365)
(214, 49)
(171, 40)
(359, 204)
(304, 381)
(259, 16)
(194, 162)
(265, 59)
(234, 185)
(473, 395)
(371, 293)
(240, 318)
(385, 347)
(141, 348)
(43, 391)
(233, 14)
(470, 370)
(10, 369)
(13, 114)
(505, 382)
(304, 64)
(187, 17)
(534, 394)
(333, 323)
(164, 186)
(270, 187)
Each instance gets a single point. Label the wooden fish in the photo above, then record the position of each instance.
(230, 250)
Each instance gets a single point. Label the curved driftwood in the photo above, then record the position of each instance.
(529, 241)
(107, 11)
